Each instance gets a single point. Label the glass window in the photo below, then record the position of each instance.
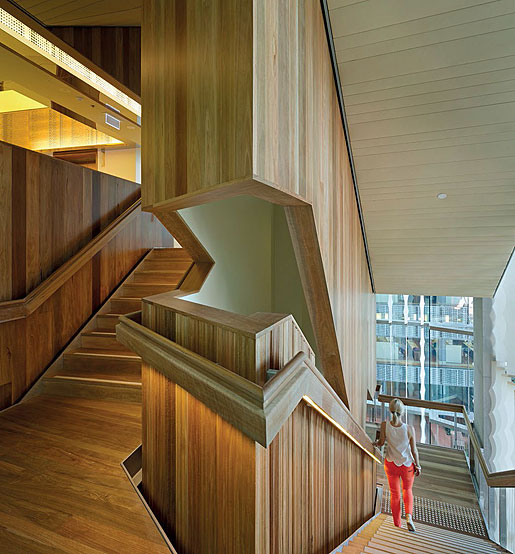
(425, 347)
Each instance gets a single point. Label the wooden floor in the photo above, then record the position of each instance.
(62, 486)
(382, 537)
(445, 477)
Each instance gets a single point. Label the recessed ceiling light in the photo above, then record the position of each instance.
(80, 98)
(441, 195)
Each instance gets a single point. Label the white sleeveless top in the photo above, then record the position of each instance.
(398, 449)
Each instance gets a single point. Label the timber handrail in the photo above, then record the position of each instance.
(258, 412)
(18, 309)
(493, 479)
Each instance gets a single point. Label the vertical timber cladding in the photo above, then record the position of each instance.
(198, 471)
(324, 485)
(239, 98)
(196, 97)
(49, 210)
(216, 490)
(299, 144)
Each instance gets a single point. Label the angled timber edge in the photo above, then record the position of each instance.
(19, 309)
(132, 469)
(303, 232)
(302, 227)
(258, 412)
(202, 261)
(493, 479)
(251, 186)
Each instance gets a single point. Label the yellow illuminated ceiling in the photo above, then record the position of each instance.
(47, 129)
(13, 101)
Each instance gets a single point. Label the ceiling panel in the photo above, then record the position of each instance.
(47, 129)
(429, 90)
(85, 12)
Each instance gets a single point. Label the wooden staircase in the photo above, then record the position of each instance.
(95, 364)
(380, 536)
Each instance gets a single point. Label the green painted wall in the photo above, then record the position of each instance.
(255, 269)
(237, 234)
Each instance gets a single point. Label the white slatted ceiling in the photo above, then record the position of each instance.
(429, 90)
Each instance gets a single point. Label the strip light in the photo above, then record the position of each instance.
(339, 427)
(40, 44)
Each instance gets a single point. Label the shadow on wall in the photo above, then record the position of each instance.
(255, 269)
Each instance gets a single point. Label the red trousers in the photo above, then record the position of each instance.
(395, 474)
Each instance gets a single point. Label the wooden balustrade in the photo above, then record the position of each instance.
(493, 479)
(231, 463)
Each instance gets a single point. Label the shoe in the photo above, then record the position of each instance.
(410, 525)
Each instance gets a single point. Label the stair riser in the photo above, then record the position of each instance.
(142, 290)
(97, 391)
(149, 277)
(125, 306)
(108, 366)
(107, 323)
(102, 342)
(169, 254)
(153, 265)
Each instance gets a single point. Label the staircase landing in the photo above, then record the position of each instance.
(63, 489)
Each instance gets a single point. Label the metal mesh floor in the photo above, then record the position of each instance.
(441, 514)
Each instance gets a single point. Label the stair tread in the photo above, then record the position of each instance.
(99, 331)
(128, 378)
(102, 352)
(380, 536)
(159, 271)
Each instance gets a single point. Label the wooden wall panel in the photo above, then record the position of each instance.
(198, 471)
(212, 487)
(198, 121)
(277, 346)
(247, 345)
(215, 490)
(319, 481)
(49, 211)
(117, 50)
(300, 146)
(297, 155)
(5, 222)
(27, 346)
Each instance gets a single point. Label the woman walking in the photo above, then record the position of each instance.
(401, 462)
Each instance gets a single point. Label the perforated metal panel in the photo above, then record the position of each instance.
(24, 33)
(441, 514)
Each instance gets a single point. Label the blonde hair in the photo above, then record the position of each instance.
(397, 407)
